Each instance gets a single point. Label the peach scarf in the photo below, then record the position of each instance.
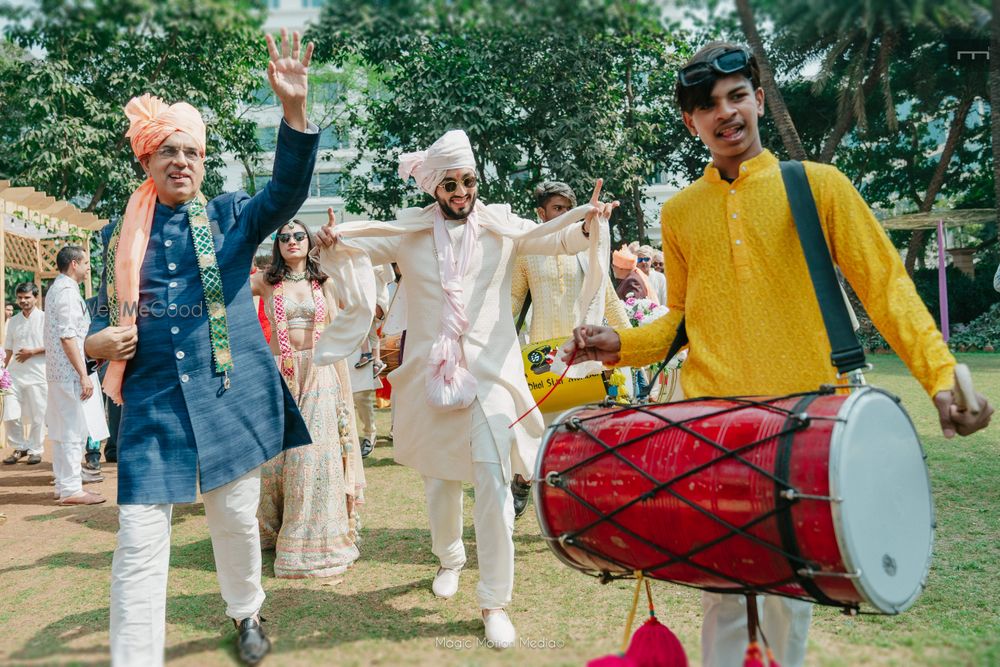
(151, 122)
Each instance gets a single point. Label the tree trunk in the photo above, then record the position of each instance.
(918, 238)
(775, 102)
(995, 102)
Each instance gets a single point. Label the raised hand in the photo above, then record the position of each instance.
(289, 76)
(326, 236)
(601, 209)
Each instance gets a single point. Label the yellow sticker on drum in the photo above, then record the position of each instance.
(537, 358)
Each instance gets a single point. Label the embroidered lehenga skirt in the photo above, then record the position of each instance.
(310, 495)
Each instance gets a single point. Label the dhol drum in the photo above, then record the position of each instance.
(822, 496)
(390, 352)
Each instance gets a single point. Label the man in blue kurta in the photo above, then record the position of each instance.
(202, 398)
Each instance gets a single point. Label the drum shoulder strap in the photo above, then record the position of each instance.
(846, 352)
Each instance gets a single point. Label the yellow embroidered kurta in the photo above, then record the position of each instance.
(736, 270)
(555, 282)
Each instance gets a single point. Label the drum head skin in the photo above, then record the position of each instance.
(885, 522)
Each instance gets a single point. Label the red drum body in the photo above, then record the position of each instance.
(816, 496)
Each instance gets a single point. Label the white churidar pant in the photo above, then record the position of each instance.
(66, 457)
(32, 403)
(724, 639)
(493, 517)
(142, 559)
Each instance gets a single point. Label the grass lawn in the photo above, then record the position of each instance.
(55, 566)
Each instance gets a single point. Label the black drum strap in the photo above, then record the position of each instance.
(786, 526)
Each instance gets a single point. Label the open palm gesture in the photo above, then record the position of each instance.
(289, 76)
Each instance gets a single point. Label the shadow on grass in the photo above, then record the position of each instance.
(380, 462)
(105, 517)
(25, 479)
(297, 619)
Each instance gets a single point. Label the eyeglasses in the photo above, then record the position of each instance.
(171, 152)
(450, 184)
(641, 260)
(298, 236)
(728, 62)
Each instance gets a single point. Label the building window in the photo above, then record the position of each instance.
(259, 181)
(326, 184)
(331, 137)
(267, 137)
(306, 4)
(327, 92)
(264, 96)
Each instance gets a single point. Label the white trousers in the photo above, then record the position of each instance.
(66, 457)
(32, 402)
(364, 408)
(493, 517)
(724, 639)
(142, 559)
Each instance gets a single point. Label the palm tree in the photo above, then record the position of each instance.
(857, 40)
(779, 110)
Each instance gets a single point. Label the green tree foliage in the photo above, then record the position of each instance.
(565, 90)
(69, 67)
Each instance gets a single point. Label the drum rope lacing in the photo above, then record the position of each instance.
(797, 421)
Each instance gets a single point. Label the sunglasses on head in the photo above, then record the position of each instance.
(449, 185)
(728, 62)
(286, 236)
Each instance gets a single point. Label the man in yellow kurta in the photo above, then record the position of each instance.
(737, 276)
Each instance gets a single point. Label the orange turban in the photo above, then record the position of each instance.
(624, 259)
(151, 122)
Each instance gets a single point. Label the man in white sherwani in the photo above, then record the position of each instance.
(461, 384)
(24, 345)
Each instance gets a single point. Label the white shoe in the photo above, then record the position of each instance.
(499, 630)
(446, 582)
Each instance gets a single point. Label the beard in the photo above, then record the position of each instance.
(451, 214)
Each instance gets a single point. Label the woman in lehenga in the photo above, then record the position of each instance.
(309, 495)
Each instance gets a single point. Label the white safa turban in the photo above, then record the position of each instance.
(451, 151)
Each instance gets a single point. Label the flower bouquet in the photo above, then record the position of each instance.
(6, 387)
(643, 311)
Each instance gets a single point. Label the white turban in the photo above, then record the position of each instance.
(452, 151)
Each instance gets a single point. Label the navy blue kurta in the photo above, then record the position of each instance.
(177, 422)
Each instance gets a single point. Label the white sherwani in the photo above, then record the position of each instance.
(434, 442)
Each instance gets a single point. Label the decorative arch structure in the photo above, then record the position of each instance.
(35, 227)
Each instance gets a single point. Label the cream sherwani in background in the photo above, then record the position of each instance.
(554, 283)
(27, 405)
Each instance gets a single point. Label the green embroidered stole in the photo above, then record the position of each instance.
(211, 284)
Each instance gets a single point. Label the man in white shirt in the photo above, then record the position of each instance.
(66, 327)
(645, 256)
(24, 345)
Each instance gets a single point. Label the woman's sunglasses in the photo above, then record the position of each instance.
(449, 185)
(729, 62)
(286, 236)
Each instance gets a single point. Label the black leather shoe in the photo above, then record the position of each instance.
(15, 457)
(522, 493)
(252, 644)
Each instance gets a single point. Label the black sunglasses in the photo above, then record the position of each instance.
(728, 62)
(450, 184)
(285, 236)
